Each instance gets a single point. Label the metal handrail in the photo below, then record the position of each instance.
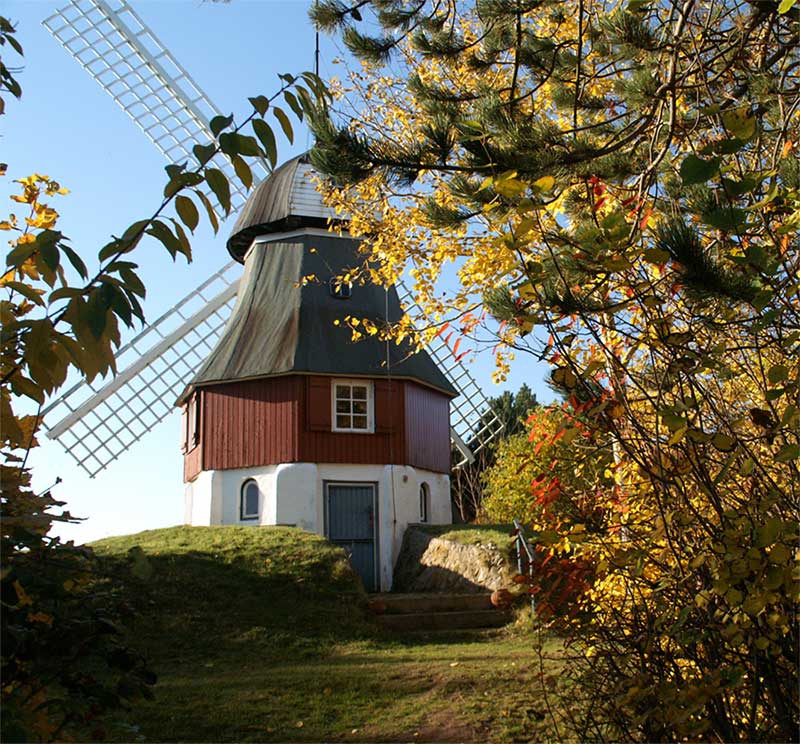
(524, 560)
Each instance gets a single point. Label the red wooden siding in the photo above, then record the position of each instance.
(385, 445)
(288, 419)
(427, 428)
(253, 422)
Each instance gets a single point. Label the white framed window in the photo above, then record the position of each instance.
(353, 406)
(424, 502)
(249, 498)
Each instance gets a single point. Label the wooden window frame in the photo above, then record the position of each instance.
(370, 428)
(191, 432)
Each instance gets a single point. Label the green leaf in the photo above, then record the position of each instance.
(20, 254)
(204, 153)
(212, 215)
(243, 172)
(725, 218)
(162, 233)
(788, 452)
(739, 123)
(723, 442)
(183, 239)
(697, 170)
(777, 373)
(286, 125)
(510, 187)
(220, 186)
(786, 6)
(674, 422)
(766, 534)
(96, 314)
(62, 292)
(232, 143)
(49, 253)
(267, 137)
(772, 192)
(121, 307)
(655, 256)
(260, 104)
(789, 415)
(218, 123)
(187, 211)
(293, 104)
(132, 282)
(306, 99)
(136, 230)
(181, 181)
(28, 292)
(76, 261)
(316, 84)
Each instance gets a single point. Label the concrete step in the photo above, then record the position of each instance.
(398, 604)
(452, 620)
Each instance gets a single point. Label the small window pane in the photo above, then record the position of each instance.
(360, 406)
(424, 502)
(359, 392)
(342, 406)
(249, 500)
(342, 391)
(359, 422)
(343, 422)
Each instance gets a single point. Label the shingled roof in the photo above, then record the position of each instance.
(282, 324)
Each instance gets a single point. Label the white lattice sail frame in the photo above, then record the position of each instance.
(126, 58)
(98, 422)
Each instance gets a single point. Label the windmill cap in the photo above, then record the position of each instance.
(286, 200)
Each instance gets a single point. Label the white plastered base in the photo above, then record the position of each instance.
(293, 494)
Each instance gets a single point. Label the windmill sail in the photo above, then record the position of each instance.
(97, 423)
(126, 58)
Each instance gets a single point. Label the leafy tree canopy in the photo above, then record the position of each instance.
(64, 661)
(624, 177)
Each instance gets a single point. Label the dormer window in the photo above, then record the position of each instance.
(340, 289)
(353, 406)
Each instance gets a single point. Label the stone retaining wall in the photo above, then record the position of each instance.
(432, 564)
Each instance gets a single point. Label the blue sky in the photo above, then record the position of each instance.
(67, 127)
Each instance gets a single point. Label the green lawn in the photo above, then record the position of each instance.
(261, 634)
(473, 534)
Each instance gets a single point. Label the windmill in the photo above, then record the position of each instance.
(96, 423)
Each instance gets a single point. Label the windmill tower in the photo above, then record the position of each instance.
(98, 423)
(289, 421)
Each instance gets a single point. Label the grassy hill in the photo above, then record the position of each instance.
(264, 589)
(262, 634)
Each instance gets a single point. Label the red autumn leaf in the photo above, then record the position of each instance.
(442, 330)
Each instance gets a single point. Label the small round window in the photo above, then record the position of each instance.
(248, 504)
(340, 288)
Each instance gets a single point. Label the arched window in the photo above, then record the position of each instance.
(248, 500)
(424, 502)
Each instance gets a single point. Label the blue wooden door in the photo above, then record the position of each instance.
(351, 524)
